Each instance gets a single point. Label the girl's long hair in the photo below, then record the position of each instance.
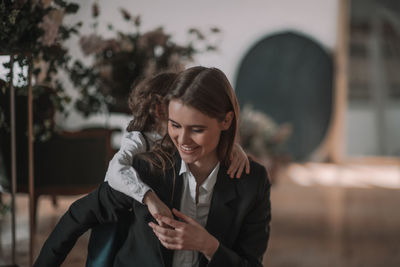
(146, 102)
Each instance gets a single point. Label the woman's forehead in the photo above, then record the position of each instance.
(186, 114)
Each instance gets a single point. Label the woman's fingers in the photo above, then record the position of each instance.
(184, 217)
(169, 238)
(167, 235)
(162, 230)
(187, 234)
(169, 221)
(171, 246)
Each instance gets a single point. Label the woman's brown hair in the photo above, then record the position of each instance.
(209, 91)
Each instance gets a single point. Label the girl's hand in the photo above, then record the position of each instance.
(156, 206)
(239, 161)
(185, 235)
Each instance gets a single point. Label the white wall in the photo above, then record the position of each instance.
(242, 23)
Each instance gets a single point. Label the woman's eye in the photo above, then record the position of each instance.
(198, 130)
(174, 125)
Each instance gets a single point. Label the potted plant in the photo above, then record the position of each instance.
(264, 139)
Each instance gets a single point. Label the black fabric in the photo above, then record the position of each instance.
(239, 218)
(106, 239)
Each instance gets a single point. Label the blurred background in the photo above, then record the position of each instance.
(318, 86)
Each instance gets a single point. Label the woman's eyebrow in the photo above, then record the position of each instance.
(172, 121)
(192, 126)
(198, 126)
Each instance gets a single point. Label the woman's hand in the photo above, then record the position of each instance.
(186, 235)
(239, 161)
(156, 206)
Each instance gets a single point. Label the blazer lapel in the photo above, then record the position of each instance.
(175, 183)
(220, 214)
(177, 187)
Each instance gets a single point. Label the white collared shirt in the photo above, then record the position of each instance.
(199, 211)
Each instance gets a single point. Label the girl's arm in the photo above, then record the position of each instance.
(122, 177)
(239, 161)
(120, 174)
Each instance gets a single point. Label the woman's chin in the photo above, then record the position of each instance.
(188, 159)
(189, 156)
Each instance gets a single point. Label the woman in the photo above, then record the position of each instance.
(227, 221)
(147, 127)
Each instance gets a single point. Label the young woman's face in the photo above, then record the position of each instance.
(195, 134)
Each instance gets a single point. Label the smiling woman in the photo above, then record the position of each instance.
(221, 221)
(196, 136)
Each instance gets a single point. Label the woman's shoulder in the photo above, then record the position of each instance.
(256, 166)
(258, 175)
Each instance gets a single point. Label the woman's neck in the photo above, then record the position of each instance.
(202, 169)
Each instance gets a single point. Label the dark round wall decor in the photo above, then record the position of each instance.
(290, 77)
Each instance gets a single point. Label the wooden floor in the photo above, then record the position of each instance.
(313, 225)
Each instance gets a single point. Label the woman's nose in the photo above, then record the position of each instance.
(183, 137)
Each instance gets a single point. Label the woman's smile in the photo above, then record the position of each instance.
(194, 134)
(188, 149)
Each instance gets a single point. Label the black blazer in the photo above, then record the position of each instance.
(239, 218)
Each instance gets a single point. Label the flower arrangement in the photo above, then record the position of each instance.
(120, 61)
(260, 135)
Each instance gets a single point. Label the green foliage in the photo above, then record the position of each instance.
(30, 36)
(121, 61)
(19, 31)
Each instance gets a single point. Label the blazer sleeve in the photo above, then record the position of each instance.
(100, 206)
(252, 240)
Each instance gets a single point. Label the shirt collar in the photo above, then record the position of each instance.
(184, 168)
(209, 183)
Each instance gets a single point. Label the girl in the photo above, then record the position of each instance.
(229, 223)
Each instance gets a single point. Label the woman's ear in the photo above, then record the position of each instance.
(226, 123)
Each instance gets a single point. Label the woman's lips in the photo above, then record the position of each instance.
(188, 149)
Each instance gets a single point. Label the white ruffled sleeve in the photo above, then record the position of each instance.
(120, 175)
